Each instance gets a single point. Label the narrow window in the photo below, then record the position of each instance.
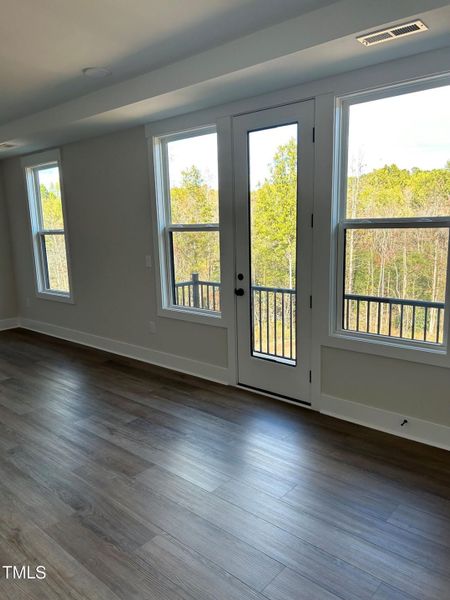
(45, 198)
(188, 215)
(395, 216)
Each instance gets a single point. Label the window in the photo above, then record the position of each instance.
(188, 219)
(46, 204)
(394, 216)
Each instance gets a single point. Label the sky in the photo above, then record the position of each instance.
(263, 146)
(202, 151)
(411, 130)
(49, 177)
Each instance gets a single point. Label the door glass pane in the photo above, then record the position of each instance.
(50, 195)
(196, 269)
(56, 262)
(193, 178)
(395, 282)
(273, 241)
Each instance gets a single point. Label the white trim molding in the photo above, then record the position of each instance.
(147, 355)
(12, 323)
(414, 429)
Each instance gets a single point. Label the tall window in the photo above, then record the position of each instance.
(45, 197)
(395, 216)
(188, 216)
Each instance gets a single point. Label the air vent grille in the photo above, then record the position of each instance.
(385, 35)
(405, 29)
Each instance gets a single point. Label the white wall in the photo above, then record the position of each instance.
(410, 389)
(108, 207)
(108, 202)
(8, 305)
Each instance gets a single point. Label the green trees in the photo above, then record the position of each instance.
(405, 263)
(195, 252)
(273, 222)
(51, 207)
(398, 263)
(408, 264)
(55, 249)
(193, 201)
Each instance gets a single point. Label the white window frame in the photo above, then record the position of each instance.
(30, 164)
(340, 224)
(165, 228)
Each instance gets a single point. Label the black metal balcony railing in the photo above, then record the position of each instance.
(274, 318)
(274, 315)
(407, 319)
(198, 294)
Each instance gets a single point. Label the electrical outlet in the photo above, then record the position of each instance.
(152, 326)
(148, 261)
(27, 302)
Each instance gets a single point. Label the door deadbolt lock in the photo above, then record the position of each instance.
(239, 292)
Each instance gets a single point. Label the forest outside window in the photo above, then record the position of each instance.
(395, 217)
(188, 215)
(46, 204)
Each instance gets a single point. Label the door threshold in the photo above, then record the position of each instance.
(273, 395)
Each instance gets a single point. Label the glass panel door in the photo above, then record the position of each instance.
(273, 152)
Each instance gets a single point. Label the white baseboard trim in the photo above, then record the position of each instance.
(9, 324)
(148, 355)
(415, 429)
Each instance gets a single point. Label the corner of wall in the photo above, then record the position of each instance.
(9, 307)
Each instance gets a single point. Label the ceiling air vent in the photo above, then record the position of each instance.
(385, 35)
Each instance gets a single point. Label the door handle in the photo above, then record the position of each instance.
(239, 291)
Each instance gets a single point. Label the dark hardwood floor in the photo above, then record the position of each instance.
(131, 482)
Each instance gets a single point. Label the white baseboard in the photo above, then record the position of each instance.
(415, 429)
(154, 357)
(8, 324)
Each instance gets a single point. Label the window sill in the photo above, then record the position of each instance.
(432, 354)
(67, 299)
(203, 317)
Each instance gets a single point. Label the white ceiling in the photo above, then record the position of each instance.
(167, 59)
(44, 45)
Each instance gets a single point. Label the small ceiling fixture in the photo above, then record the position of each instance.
(96, 72)
(392, 33)
(6, 145)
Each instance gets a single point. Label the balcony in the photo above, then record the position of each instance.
(274, 316)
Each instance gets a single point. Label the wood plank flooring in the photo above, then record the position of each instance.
(131, 482)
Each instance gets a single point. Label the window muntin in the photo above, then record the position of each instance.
(395, 216)
(189, 221)
(48, 229)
